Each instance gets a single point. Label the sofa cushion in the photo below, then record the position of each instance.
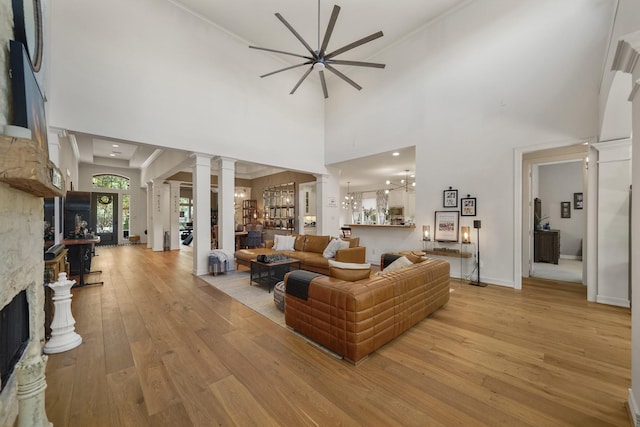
(284, 243)
(249, 254)
(311, 259)
(299, 244)
(348, 274)
(315, 243)
(334, 246)
(354, 242)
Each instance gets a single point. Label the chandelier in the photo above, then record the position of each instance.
(407, 183)
(349, 201)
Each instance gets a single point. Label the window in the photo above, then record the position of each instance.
(186, 210)
(113, 182)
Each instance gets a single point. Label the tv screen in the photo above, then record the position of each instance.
(28, 102)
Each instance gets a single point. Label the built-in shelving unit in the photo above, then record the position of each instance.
(280, 207)
(249, 211)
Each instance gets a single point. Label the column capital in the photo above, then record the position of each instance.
(200, 159)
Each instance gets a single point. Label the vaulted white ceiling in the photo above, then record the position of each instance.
(254, 21)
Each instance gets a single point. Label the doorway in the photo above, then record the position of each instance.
(104, 214)
(559, 220)
(558, 177)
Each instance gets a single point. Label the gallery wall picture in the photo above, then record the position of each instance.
(446, 229)
(450, 198)
(578, 201)
(468, 206)
(565, 209)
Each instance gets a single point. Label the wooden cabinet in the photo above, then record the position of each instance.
(546, 246)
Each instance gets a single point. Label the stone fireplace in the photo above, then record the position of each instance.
(21, 269)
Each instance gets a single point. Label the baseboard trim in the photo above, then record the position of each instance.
(573, 257)
(613, 301)
(634, 411)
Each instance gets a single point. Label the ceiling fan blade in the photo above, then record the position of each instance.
(332, 23)
(324, 84)
(285, 69)
(301, 80)
(354, 44)
(295, 33)
(280, 51)
(357, 63)
(343, 77)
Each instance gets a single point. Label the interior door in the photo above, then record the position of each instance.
(104, 215)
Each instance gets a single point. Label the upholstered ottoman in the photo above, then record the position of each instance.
(278, 295)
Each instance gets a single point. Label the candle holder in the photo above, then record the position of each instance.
(426, 233)
(466, 236)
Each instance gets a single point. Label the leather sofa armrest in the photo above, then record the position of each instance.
(357, 255)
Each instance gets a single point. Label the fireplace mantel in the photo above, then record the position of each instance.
(25, 166)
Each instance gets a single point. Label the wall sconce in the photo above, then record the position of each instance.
(466, 237)
(426, 233)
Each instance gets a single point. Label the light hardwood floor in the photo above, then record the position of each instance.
(163, 348)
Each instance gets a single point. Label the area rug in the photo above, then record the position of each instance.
(258, 298)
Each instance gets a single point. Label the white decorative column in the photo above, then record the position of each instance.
(202, 213)
(157, 227)
(63, 335)
(627, 60)
(31, 386)
(150, 215)
(174, 214)
(226, 200)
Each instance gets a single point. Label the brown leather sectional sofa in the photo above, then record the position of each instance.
(353, 319)
(308, 249)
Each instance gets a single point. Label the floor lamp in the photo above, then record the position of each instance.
(476, 225)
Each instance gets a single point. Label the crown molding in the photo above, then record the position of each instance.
(627, 53)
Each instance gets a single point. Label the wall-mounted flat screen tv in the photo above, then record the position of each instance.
(28, 102)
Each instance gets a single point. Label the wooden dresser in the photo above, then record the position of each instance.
(546, 246)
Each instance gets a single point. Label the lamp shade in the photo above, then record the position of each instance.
(426, 232)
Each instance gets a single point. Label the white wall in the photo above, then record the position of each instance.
(150, 72)
(614, 179)
(557, 183)
(467, 91)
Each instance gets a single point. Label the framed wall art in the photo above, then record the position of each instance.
(450, 198)
(565, 209)
(578, 201)
(468, 206)
(446, 229)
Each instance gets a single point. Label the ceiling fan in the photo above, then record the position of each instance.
(319, 59)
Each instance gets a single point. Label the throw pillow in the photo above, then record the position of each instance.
(334, 246)
(401, 262)
(413, 257)
(348, 271)
(284, 243)
(348, 265)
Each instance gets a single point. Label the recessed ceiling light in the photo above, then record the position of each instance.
(396, 153)
(112, 155)
(115, 145)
